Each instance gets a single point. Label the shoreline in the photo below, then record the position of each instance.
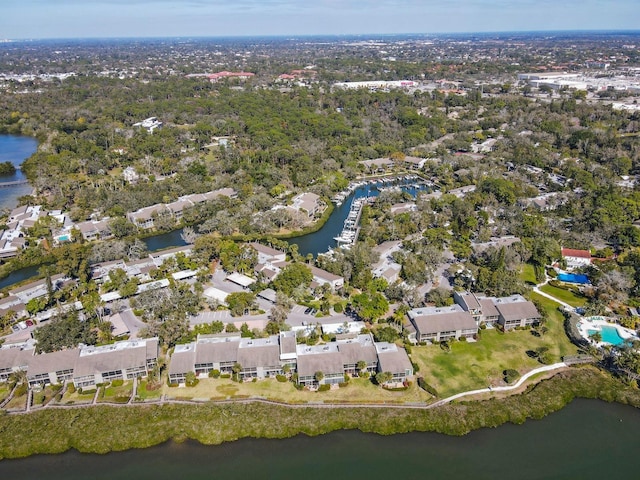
(102, 428)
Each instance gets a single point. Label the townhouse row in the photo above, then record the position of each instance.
(85, 366)
(271, 356)
(437, 324)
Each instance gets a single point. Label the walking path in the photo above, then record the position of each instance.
(419, 406)
(516, 385)
(537, 290)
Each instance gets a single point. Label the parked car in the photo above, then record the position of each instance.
(29, 323)
(308, 310)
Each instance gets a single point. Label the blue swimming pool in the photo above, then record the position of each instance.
(573, 278)
(609, 335)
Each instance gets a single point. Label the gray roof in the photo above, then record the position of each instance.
(517, 310)
(470, 301)
(121, 355)
(287, 342)
(327, 363)
(52, 362)
(444, 322)
(183, 359)
(262, 354)
(14, 357)
(394, 360)
(353, 351)
(488, 308)
(224, 351)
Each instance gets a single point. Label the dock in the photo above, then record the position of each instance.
(350, 229)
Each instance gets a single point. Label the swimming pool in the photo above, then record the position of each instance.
(609, 334)
(573, 278)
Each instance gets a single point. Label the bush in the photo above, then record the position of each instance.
(71, 388)
(215, 373)
(343, 384)
(324, 387)
(416, 367)
(407, 348)
(173, 385)
(426, 387)
(225, 375)
(510, 375)
(254, 379)
(21, 389)
(338, 308)
(117, 383)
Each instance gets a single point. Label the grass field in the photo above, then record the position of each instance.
(120, 394)
(472, 365)
(75, 397)
(528, 274)
(142, 393)
(567, 296)
(359, 390)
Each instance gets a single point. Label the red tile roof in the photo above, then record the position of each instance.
(570, 252)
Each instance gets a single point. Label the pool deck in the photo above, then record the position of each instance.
(596, 323)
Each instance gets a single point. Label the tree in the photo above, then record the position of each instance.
(318, 376)
(383, 377)
(236, 369)
(361, 365)
(240, 302)
(370, 306)
(291, 277)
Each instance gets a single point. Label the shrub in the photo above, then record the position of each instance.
(416, 367)
(463, 339)
(215, 373)
(510, 375)
(338, 308)
(225, 375)
(117, 383)
(343, 384)
(407, 348)
(324, 387)
(364, 374)
(426, 387)
(21, 389)
(281, 378)
(255, 379)
(71, 388)
(173, 385)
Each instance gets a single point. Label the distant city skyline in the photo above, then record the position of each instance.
(41, 19)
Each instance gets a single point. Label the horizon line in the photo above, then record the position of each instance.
(311, 35)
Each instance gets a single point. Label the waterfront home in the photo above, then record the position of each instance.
(437, 324)
(144, 217)
(94, 229)
(38, 288)
(14, 357)
(314, 360)
(119, 361)
(414, 163)
(52, 368)
(377, 165)
(268, 254)
(309, 203)
(394, 360)
(321, 277)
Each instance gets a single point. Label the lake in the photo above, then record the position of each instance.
(588, 439)
(15, 149)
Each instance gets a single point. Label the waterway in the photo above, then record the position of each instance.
(15, 149)
(314, 243)
(586, 440)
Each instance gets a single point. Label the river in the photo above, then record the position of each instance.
(314, 243)
(15, 149)
(588, 439)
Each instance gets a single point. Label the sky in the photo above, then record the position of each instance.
(37, 19)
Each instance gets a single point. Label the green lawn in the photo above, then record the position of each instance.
(76, 397)
(359, 390)
(142, 393)
(119, 394)
(44, 396)
(4, 391)
(473, 365)
(528, 274)
(567, 296)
